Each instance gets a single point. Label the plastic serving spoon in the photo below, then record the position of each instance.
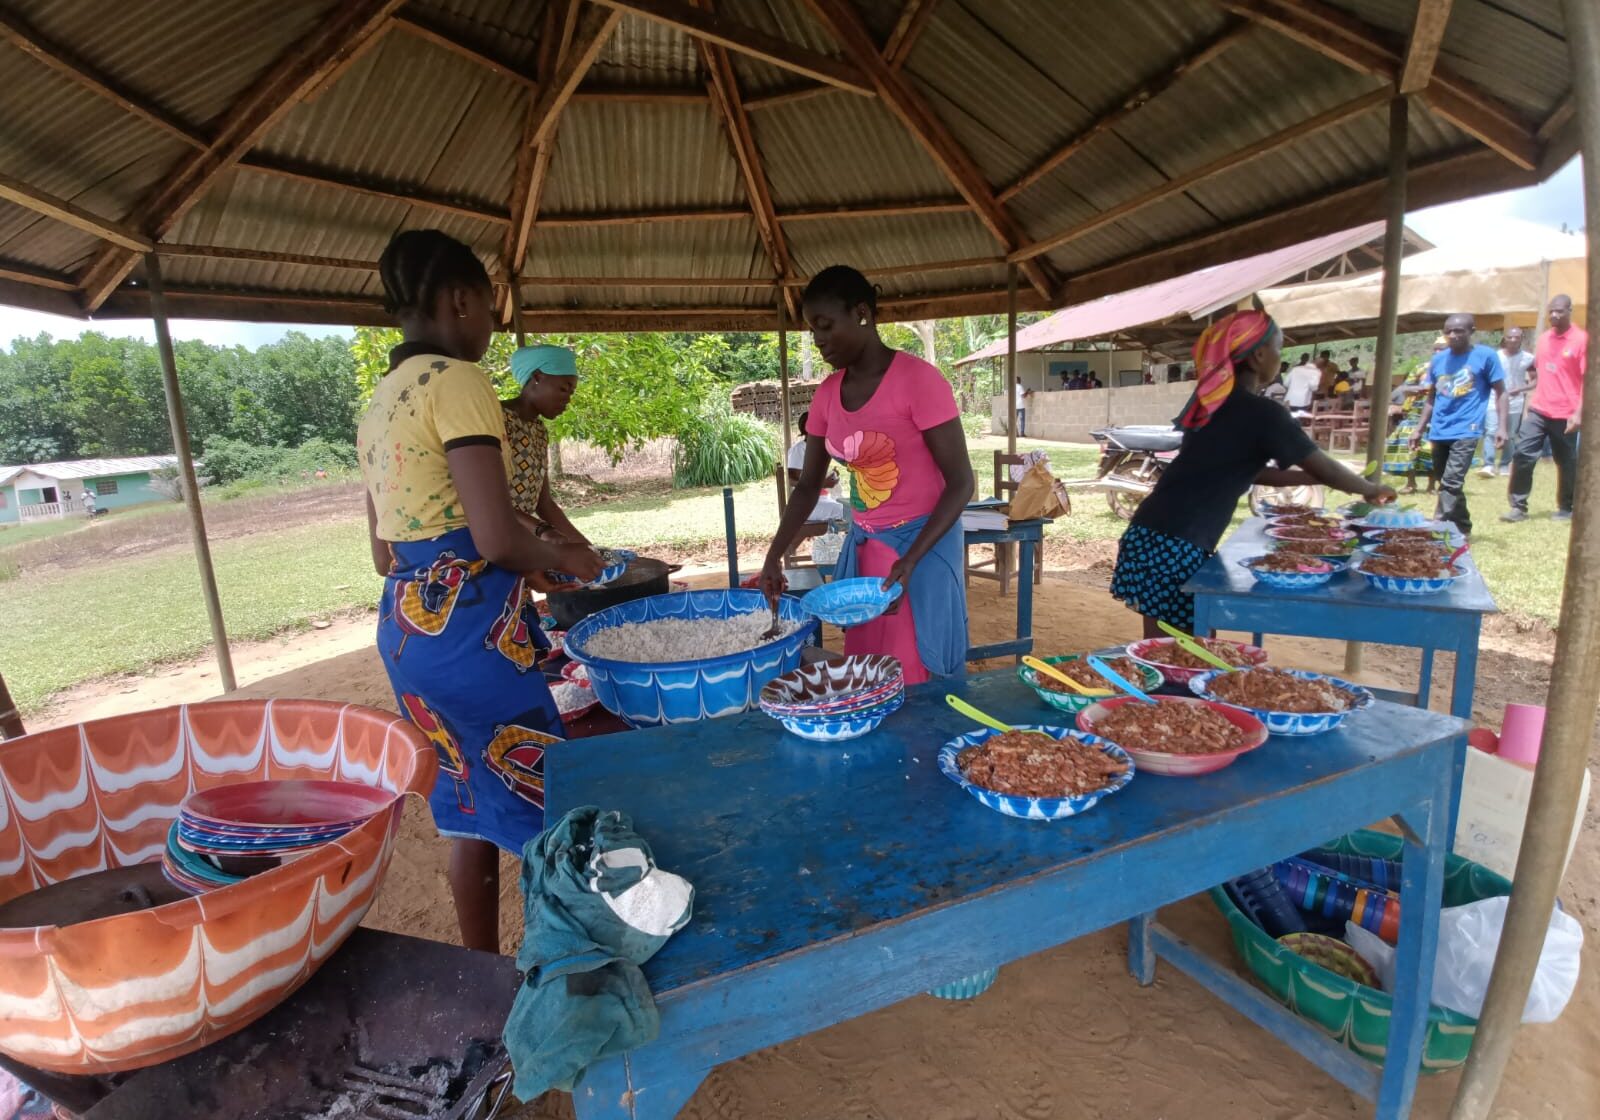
(972, 713)
(1115, 678)
(1193, 646)
(1051, 671)
(1456, 555)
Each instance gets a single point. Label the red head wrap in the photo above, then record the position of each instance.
(1221, 346)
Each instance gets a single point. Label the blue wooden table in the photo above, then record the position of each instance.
(1026, 535)
(1227, 597)
(834, 880)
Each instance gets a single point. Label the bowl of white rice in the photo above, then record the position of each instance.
(688, 655)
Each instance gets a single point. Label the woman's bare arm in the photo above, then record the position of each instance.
(480, 477)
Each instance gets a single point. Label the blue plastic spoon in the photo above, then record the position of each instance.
(1115, 678)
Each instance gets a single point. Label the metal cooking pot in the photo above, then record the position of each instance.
(645, 576)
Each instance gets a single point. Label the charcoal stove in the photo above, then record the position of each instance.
(391, 1028)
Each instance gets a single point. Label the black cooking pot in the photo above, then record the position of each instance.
(644, 576)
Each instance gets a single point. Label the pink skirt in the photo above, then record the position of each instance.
(894, 634)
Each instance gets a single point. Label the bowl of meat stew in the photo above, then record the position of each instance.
(1022, 775)
(1178, 665)
(1288, 701)
(1179, 736)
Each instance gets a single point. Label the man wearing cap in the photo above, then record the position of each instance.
(548, 376)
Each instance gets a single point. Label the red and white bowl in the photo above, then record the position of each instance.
(1158, 651)
(1172, 763)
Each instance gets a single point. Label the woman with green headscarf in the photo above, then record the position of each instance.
(547, 376)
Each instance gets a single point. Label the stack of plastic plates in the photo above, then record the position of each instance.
(831, 701)
(226, 834)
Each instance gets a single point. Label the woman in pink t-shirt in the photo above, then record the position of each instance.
(892, 420)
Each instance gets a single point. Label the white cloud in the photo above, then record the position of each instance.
(1554, 203)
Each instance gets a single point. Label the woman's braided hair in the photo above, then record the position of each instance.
(419, 263)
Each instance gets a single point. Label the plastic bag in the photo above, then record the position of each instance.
(1469, 938)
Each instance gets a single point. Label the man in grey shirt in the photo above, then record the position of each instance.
(1515, 361)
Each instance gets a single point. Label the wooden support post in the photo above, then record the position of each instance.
(516, 315)
(1574, 674)
(186, 476)
(1394, 247)
(783, 382)
(10, 721)
(1011, 359)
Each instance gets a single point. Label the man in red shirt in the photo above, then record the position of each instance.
(1554, 412)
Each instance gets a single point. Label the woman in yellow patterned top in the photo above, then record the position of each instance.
(456, 627)
(547, 376)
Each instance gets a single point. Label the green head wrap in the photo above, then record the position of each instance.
(556, 361)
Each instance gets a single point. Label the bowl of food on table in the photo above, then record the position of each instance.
(1024, 774)
(1409, 573)
(1310, 532)
(1061, 696)
(1326, 549)
(1367, 515)
(1179, 736)
(1292, 571)
(1177, 664)
(1306, 521)
(1287, 701)
(1286, 509)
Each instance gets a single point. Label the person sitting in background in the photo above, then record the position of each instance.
(828, 507)
(1301, 387)
(1514, 361)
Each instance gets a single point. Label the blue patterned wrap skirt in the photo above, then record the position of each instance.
(1151, 569)
(460, 639)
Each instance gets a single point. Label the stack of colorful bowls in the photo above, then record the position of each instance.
(227, 834)
(832, 701)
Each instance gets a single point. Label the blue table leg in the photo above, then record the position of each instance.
(1025, 593)
(1465, 679)
(607, 1092)
(1255, 640)
(1425, 677)
(1141, 954)
(1421, 888)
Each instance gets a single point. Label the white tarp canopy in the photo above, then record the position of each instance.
(1504, 277)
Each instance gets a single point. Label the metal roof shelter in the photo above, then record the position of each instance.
(1176, 310)
(642, 164)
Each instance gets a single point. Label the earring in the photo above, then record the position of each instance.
(461, 314)
(861, 322)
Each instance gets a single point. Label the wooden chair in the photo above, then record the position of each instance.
(810, 529)
(1354, 431)
(1325, 416)
(1000, 566)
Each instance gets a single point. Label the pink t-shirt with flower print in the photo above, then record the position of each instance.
(893, 477)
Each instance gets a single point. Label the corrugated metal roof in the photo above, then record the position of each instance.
(1011, 80)
(90, 468)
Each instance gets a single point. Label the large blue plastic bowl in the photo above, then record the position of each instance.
(1291, 723)
(648, 694)
(850, 602)
(1034, 808)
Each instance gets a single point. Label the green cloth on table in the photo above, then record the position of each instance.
(596, 907)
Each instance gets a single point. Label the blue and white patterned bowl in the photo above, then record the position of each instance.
(1385, 517)
(1399, 585)
(1294, 581)
(824, 730)
(1075, 702)
(968, 987)
(850, 602)
(1291, 723)
(648, 694)
(616, 561)
(1033, 808)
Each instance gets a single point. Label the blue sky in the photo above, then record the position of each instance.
(1556, 202)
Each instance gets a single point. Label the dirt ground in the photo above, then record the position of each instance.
(1065, 1033)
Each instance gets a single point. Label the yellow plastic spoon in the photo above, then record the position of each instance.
(1049, 670)
(972, 713)
(1194, 647)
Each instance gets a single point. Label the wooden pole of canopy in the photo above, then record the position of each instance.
(10, 721)
(186, 476)
(1574, 675)
(783, 382)
(516, 316)
(1394, 247)
(1011, 359)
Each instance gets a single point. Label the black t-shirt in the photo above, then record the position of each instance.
(1216, 466)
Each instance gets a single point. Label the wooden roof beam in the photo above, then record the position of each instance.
(70, 213)
(844, 23)
(1422, 51)
(405, 193)
(711, 28)
(420, 27)
(594, 27)
(37, 277)
(723, 87)
(297, 71)
(265, 256)
(1176, 185)
(1147, 91)
(1334, 34)
(914, 18)
(26, 39)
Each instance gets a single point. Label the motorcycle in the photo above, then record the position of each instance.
(1132, 459)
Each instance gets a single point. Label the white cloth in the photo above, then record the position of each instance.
(828, 508)
(1302, 386)
(1276, 391)
(1019, 392)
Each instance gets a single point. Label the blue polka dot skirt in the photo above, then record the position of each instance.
(1151, 569)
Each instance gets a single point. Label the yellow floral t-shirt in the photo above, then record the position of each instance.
(425, 406)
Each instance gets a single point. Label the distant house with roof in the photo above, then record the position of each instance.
(33, 491)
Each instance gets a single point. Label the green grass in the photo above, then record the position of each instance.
(66, 626)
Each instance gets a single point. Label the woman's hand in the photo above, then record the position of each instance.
(578, 560)
(544, 585)
(1382, 495)
(773, 582)
(899, 572)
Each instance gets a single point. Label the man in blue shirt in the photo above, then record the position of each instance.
(1459, 382)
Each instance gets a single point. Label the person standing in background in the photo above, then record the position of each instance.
(1021, 404)
(1554, 412)
(1514, 361)
(1302, 385)
(1329, 374)
(1459, 381)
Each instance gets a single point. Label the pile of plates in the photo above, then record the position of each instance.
(832, 701)
(227, 834)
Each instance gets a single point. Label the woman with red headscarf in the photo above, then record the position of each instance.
(1231, 435)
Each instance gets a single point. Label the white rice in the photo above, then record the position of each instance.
(685, 639)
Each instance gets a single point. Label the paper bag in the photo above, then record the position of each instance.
(1039, 494)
